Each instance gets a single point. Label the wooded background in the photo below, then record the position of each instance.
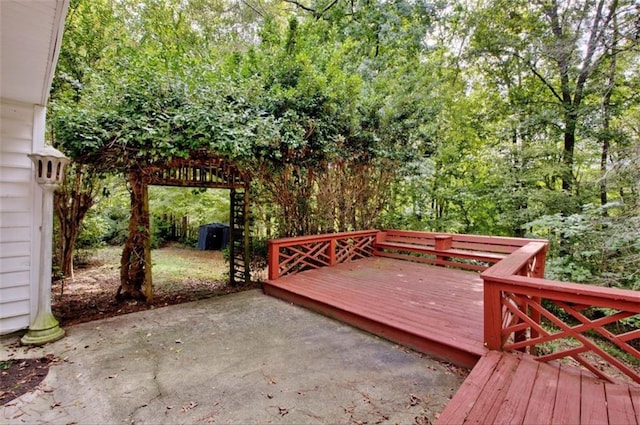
(492, 117)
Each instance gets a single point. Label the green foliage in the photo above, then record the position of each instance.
(93, 230)
(173, 207)
(424, 115)
(600, 243)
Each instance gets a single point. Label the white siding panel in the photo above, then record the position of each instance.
(15, 159)
(15, 234)
(14, 249)
(14, 219)
(15, 174)
(14, 204)
(14, 264)
(16, 128)
(14, 309)
(14, 294)
(16, 121)
(13, 189)
(11, 324)
(19, 216)
(15, 145)
(10, 280)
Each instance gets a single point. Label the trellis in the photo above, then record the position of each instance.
(213, 172)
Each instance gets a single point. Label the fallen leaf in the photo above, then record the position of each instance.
(189, 406)
(414, 400)
(422, 420)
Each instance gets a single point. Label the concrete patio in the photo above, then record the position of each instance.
(242, 358)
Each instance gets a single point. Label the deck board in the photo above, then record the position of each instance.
(489, 402)
(567, 398)
(543, 396)
(592, 401)
(515, 404)
(474, 384)
(619, 409)
(514, 388)
(435, 310)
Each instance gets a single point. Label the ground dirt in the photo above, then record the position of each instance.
(90, 295)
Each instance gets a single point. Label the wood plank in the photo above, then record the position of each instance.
(463, 401)
(543, 395)
(514, 406)
(489, 401)
(567, 404)
(634, 391)
(593, 401)
(619, 404)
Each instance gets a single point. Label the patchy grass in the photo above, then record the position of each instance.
(180, 274)
(171, 265)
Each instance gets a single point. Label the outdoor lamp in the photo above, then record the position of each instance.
(49, 167)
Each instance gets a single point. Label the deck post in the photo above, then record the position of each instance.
(274, 260)
(492, 316)
(443, 242)
(332, 251)
(538, 270)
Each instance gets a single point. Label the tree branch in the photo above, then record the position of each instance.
(252, 7)
(302, 6)
(315, 12)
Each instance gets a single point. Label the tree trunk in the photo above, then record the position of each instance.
(568, 150)
(71, 204)
(606, 111)
(135, 263)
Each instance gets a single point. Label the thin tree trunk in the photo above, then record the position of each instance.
(71, 204)
(606, 110)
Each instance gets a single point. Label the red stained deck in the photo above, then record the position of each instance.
(434, 310)
(442, 312)
(508, 388)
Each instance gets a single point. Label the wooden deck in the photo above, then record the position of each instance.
(509, 388)
(493, 321)
(434, 310)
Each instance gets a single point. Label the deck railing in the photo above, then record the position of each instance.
(554, 320)
(293, 255)
(471, 252)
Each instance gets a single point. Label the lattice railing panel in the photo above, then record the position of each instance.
(295, 259)
(354, 248)
(573, 330)
(293, 255)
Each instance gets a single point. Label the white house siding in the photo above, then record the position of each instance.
(20, 214)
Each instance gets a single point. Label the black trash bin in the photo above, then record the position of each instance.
(213, 236)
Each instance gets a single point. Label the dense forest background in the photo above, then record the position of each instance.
(495, 117)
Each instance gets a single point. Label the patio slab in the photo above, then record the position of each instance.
(241, 358)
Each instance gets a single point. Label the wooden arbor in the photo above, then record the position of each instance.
(215, 173)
